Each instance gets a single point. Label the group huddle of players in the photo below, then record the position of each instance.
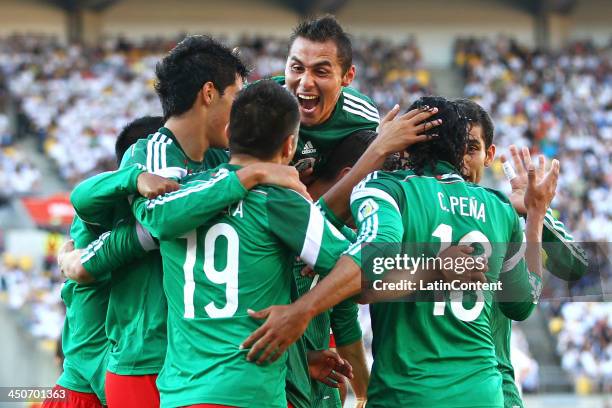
(203, 277)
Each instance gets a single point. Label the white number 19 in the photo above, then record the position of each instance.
(228, 276)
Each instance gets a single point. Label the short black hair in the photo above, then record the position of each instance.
(262, 117)
(137, 129)
(451, 143)
(477, 116)
(324, 29)
(188, 66)
(345, 153)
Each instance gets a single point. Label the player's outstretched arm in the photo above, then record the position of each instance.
(354, 353)
(95, 198)
(565, 259)
(96, 261)
(201, 197)
(396, 133)
(521, 278)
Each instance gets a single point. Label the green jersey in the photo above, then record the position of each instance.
(354, 111)
(566, 260)
(342, 320)
(84, 342)
(439, 353)
(137, 311)
(240, 260)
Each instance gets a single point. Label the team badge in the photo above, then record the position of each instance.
(367, 208)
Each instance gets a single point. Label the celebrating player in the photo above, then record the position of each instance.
(84, 342)
(450, 360)
(197, 83)
(565, 259)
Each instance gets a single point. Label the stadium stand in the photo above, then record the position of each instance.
(584, 334)
(78, 99)
(558, 104)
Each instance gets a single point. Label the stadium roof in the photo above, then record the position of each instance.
(305, 7)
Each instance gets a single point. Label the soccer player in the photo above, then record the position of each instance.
(342, 318)
(196, 83)
(318, 72)
(84, 343)
(241, 259)
(429, 353)
(565, 259)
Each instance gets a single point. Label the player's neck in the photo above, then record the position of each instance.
(245, 160)
(190, 134)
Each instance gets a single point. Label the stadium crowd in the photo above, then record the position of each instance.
(558, 103)
(584, 333)
(77, 99)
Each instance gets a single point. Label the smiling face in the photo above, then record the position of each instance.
(478, 156)
(314, 75)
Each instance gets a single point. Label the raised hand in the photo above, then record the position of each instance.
(541, 184)
(516, 173)
(396, 133)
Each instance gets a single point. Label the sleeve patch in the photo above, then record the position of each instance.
(366, 209)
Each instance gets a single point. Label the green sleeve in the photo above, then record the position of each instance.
(127, 242)
(195, 203)
(82, 234)
(94, 199)
(375, 209)
(300, 225)
(345, 323)
(565, 259)
(521, 288)
(335, 221)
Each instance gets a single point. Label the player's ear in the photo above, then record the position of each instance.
(348, 77)
(227, 132)
(289, 147)
(207, 93)
(490, 155)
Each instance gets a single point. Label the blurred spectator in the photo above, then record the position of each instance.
(558, 104)
(77, 99)
(584, 334)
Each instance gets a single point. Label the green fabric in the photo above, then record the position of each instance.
(242, 259)
(84, 341)
(424, 355)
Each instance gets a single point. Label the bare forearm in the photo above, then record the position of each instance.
(533, 235)
(355, 354)
(343, 282)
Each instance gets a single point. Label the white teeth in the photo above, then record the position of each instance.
(308, 97)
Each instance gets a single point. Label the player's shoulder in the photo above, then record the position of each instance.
(492, 195)
(276, 194)
(386, 185)
(358, 106)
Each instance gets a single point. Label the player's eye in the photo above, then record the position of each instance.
(297, 68)
(322, 72)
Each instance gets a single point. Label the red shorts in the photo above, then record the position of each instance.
(332, 341)
(72, 399)
(128, 391)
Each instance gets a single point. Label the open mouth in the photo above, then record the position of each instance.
(308, 103)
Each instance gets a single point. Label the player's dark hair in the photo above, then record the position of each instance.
(262, 117)
(477, 116)
(324, 29)
(188, 66)
(346, 153)
(137, 129)
(451, 143)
